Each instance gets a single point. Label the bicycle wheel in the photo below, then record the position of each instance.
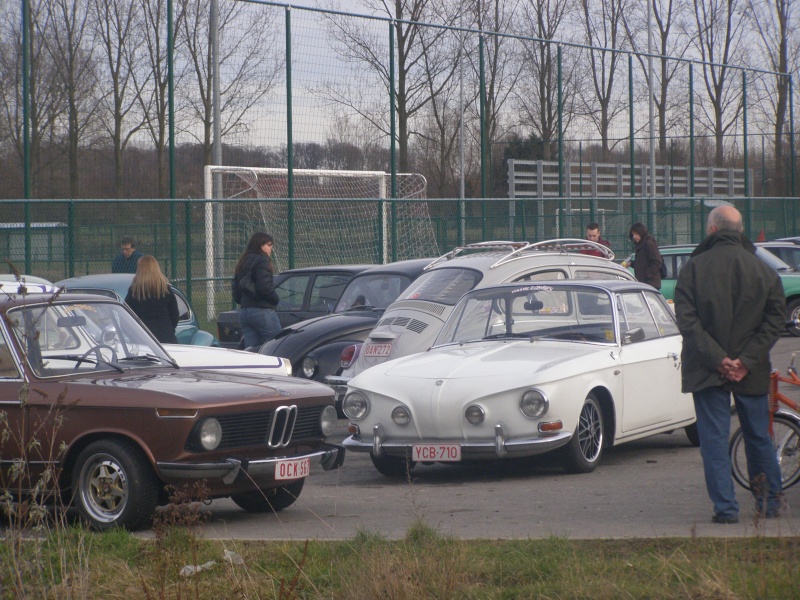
(786, 435)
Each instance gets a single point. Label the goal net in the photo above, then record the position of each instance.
(336, 217)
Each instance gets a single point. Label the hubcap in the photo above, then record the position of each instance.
(590, 432)
(104, 488)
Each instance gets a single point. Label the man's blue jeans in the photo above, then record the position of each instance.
(259, 325)
(712, 406)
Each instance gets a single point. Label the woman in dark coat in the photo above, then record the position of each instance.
(153, 302)
(253, 290)
(647, 260)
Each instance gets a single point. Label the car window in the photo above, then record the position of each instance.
(664, 316)
(372, 291)
(596, 274)
(543, 275)
(7, 367)
(326, 290)
(634, 312)
(291, 292)
(184, 312)
(443, 286)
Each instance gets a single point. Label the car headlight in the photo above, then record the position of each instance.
(210, 434)
(534, 404)
(401, 416)
(475, 414)
(328, 420)
(355, 406)
(309, 367)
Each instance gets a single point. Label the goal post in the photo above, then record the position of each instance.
(335, 217)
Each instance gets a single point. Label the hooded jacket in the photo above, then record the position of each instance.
(728, 303)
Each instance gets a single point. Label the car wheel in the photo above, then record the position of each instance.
(693, 434)
(392, 466)
(270, 499)
(582, 453)
(794, 313)
(114, 486)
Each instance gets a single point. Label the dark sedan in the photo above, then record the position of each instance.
(314, 346)
(305, 293)
(96, 413)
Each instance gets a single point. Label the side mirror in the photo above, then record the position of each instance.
(633, 335)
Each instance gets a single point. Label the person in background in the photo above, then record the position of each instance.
(731, 310)
(125, 261)
(593, 235)
(152, 300)
(647, 258)
(253, 289)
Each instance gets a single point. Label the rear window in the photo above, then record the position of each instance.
(443, 286)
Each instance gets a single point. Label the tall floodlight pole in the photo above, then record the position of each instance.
(652, 187)
(461, 203)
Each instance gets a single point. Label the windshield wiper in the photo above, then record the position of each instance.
(85, 359)
(148, 358)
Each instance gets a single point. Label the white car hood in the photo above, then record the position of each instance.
(490, 359)
(224, 359)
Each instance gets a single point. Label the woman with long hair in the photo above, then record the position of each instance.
(152, 300)
(253, 289)
(647, 260)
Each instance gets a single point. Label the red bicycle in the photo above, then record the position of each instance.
(784, 429)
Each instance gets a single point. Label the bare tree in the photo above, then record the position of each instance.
(777, 27)
(361, 46)
(670, 46)
(537, 94)
(117, 28)
(248, 64)
(718, 39)
(603, 27)
(71, 49)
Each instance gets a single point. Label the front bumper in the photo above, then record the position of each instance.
(331, 456)
(499, 447)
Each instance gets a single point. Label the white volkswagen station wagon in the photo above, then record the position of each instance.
(411, 323)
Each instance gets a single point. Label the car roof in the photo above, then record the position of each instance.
(25, 278)
(354, 269)
(7, 300)
(412, 267)
(612, 285)
(779, 244)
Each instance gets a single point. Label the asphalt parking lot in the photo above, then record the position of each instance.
(650, 488)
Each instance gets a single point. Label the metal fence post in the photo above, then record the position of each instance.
(393, 149)
(289, 140)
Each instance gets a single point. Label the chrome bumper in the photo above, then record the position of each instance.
(500, 447)
(330, 457)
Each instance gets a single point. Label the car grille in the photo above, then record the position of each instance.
(275, 428)
(407, 322)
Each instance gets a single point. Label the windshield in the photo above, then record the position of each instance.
(531, 311)
(376, 291)
(66, 338)
(772, 260)
(444, 286)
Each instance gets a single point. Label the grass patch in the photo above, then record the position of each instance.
(70, 562)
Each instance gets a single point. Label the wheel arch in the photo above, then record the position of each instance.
(78, 446)
(603, 396)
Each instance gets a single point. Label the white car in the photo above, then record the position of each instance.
(411, 323)
(225, 359)
(568, 367)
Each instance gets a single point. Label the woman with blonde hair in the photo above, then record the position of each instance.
(153, 302)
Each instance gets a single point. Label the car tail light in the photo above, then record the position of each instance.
(349, 355)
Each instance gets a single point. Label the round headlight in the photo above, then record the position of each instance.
(328, 420)
(475, 414)
(309, 367)
(210, 434)
(355, 406)
(534, 404)
(401, 416)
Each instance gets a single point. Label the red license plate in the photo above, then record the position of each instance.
(382, 350)
(292, 469)
(436, 452)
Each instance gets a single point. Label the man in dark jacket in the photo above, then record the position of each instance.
(731, 311)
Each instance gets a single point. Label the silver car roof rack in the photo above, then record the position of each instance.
(517, 249)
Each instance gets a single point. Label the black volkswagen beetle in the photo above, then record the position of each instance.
(314, 346)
